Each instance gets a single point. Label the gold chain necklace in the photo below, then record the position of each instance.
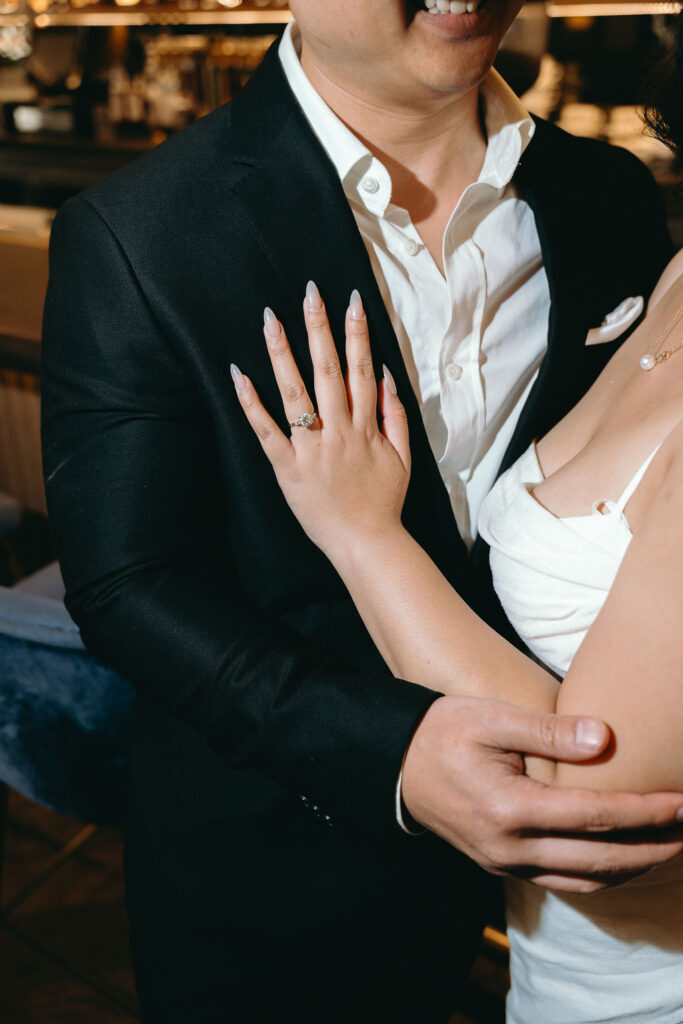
(652, 359)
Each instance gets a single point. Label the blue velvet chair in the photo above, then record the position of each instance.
(64, 717)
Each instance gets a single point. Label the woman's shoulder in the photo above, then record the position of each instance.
(666, 474)
(672, 277)
(658, 498)
(672, 454)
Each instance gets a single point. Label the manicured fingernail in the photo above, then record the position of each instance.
(238, 378)
(313, 301)
(590, 734)
(271, 323)
(389, 378)
(356, 305)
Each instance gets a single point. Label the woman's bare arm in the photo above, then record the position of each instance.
(629, 669)
(426, 632)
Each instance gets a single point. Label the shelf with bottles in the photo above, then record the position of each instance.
(176, 78)
(123, 85)
(40, 14)
(610, 8)
(64, 13)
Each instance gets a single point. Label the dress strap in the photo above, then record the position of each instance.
(634, 481)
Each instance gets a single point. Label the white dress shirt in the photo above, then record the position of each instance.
(472, 339)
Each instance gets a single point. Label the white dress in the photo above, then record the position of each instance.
(616, 955)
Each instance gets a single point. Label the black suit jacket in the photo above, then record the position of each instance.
(184, 567)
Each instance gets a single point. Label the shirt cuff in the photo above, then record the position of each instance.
(400, 808)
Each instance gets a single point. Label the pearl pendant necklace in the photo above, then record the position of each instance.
(652, 359)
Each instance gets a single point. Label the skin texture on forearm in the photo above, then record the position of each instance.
(426, 632)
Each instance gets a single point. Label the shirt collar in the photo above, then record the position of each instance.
(509, 129)
(344, 149)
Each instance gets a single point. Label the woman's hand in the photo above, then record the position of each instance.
(344, 479)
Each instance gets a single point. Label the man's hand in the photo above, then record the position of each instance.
(464, 780)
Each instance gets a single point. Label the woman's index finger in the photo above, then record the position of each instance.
(277, 447)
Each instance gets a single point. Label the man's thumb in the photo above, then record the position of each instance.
(591, 736)
(559, 737)
(569, 738)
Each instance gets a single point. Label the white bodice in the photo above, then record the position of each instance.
(552, 574)
(616, 955)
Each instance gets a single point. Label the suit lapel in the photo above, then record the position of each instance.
(575, 303)
(589, 273)
(293, 204)
(292, 184)
(586, 280)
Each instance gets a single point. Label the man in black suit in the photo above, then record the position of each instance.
(267, 875)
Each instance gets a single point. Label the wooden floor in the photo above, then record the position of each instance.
(63, 933)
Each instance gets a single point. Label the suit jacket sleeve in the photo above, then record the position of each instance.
(127, 455)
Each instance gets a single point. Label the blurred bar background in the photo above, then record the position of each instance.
(85, 87)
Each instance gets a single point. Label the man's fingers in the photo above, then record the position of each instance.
(594, 858)
(361, 373)
(295, 399)
(590, 836)
(274, 443)
(576, 886)
(394, 419)
(546, 809)
(330, 386)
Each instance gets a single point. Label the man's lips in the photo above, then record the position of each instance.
(455, 18)
(441, 7)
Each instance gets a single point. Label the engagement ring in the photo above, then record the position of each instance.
(307, 420)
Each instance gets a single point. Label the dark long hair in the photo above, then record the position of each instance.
(664, 108)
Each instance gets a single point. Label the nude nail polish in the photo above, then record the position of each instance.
(356, 305)
(389, 378)
(238, 377)
(590, 734)
(313, 301)
(271, 323)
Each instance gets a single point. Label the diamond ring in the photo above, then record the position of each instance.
(307, 420)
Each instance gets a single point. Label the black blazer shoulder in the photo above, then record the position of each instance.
(218, 150)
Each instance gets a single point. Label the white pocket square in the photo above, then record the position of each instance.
(616, 322)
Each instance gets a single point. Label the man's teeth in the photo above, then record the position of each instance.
(451, 6)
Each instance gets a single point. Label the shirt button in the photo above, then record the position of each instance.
(370, 185)
(410, 247)
(453, 371)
